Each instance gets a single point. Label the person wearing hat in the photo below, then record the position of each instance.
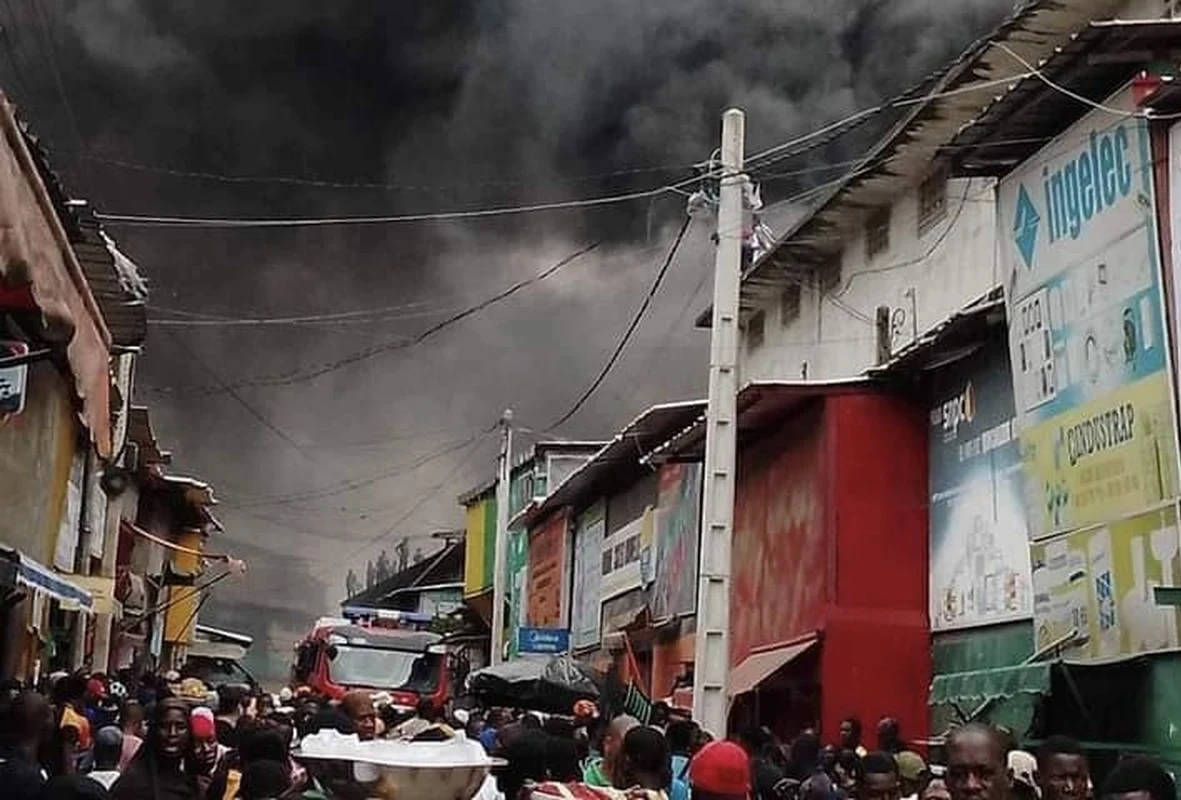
(912, 773)
(720, 771)
(1023, 772)
(108, 751)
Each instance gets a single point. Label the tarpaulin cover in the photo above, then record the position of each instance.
(991, 684)
(550, 685)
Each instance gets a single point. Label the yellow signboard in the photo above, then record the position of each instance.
(1104, 459)
(1099, 584)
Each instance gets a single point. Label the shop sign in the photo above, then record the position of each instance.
(1087, 337)
(979, 550)
(547, 579)
(588, 546)
(549, 641)
(620, 560)
(13, 380)
(517, 565)
(1100, 583)
(673, 581)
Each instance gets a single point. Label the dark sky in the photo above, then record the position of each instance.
(450, 104)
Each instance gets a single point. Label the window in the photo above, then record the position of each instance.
(932, 199)
(632, 551)
(877, 232)
(607, 562)
(789, 304)
(756, 330)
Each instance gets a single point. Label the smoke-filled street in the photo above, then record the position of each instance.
(796, 376)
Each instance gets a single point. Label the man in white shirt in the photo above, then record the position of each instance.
(108, 749)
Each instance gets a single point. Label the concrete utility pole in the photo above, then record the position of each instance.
(712, 645)
(499, 579)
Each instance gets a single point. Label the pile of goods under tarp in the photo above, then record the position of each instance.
(552, 686)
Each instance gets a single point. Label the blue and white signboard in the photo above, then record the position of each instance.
(550, 641)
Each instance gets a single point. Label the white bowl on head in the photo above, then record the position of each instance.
(405, 782)
(450, 770)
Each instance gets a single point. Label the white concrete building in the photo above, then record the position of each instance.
(898, 247)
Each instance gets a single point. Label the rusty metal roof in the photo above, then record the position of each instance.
(1094, 63)
(761, 405)
(619, 461)
(909, 151)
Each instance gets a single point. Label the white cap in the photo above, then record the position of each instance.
(1023, 766)
(461, 716)
(285, 695)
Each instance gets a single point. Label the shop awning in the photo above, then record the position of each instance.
(991, 684)
(41, 578)
(757, 667)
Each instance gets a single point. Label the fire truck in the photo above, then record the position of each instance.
(376, 651)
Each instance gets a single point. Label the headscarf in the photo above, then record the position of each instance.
(147, 776)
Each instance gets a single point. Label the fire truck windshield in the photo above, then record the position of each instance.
(386, 669)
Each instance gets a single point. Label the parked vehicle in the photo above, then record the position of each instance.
(340, 655)
(216, 655)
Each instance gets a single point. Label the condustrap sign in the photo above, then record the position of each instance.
(1087, 338)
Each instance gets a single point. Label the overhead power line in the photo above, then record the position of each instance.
(627, 334)
(425, 498)
(353, 485)
(790, 148)
(301, 375)
(260, 417)
(313, 222)
(321, 183)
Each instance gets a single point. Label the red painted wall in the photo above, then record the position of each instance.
(779, 552)
(831, 534)
(876, 653)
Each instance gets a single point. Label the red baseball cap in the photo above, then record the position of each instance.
(721, 768)
(96, 688)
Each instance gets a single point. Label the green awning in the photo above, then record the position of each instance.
(991, 684)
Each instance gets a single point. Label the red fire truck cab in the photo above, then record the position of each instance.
(341, 655)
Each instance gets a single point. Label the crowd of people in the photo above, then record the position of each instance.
(101, 738)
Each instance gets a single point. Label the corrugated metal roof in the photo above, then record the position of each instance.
(536, 451)
(442, 567)
(114, 280)
(909, 151)
(619, 460)
(952, 339)
(760, 405)
(1094, 63)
